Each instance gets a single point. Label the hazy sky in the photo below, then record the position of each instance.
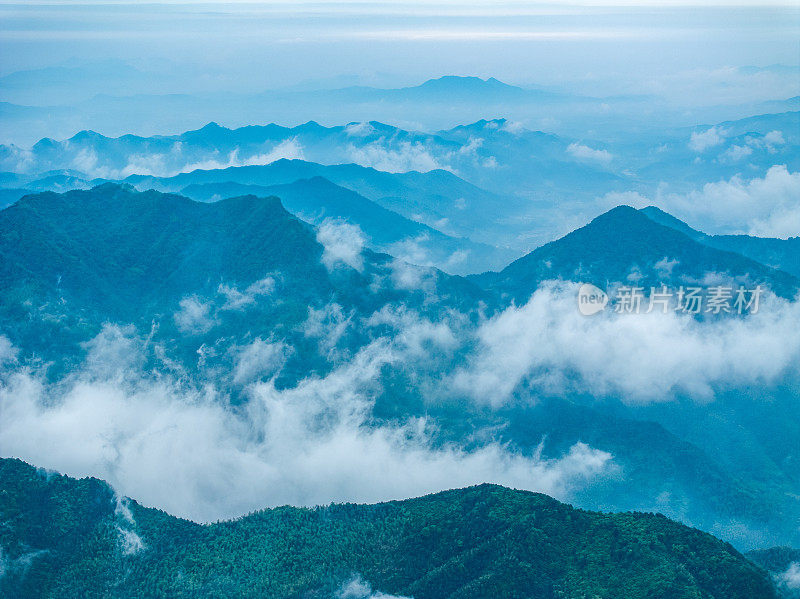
(251, 45)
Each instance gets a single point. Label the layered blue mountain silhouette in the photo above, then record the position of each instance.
(71, 263)
(410, 260)
(632, 247)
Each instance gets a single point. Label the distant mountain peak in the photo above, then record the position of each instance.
(454, 82)
(86, 135)
(211, 127)
(625, 241)
(621, 213)
(310, 126)
(483, 124)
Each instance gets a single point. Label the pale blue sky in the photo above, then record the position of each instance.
(275, 44)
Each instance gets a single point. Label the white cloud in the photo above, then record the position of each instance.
(259, 359)
(194, 316)
(8, 353)
(702, 141)
(407, 276)
(130, 542)
(774, 138)
(412, 250)
(583, 152)
(237, 300)
(114, 350)
(329, 324)
(198, 315)
(359, 129)
(342, 243)
(178, 158)
(736, 153)
(768, 142)
(20, 564)
(417, 336)
(513, 127)
(548, 345)
(288, 148)
(791, 578)
(358, 588)
(86, 161)
(184, 451)
(16, 160)
(396, 157)
(474, 143)
(664, 267)
(766, 207)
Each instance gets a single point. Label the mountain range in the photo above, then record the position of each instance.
(541, 185)
(437, 198)
(192, 275)
(64, 537)
(356, 301)
(317, 199)
(436, 103)
(633, 247)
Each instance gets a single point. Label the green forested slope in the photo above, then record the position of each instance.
(622, 242)
(63, 537)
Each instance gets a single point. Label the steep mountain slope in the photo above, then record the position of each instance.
(69, 262)
(684, 478)
(119, 250)
(114, 245)
(316, 199)
(65, 537)
(625, 246)
(782, 254)
(10, 195)
(436, 198)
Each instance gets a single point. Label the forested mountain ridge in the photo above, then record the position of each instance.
(74, 538)
(627, 246)
(69, 262)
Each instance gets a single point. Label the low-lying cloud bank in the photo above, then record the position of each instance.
(549, 346)
(181, 446)
(172, 162)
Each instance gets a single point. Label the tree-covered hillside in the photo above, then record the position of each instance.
(63, 537)
(70, 262)
(624, 245)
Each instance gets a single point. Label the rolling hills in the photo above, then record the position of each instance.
(75, 538)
